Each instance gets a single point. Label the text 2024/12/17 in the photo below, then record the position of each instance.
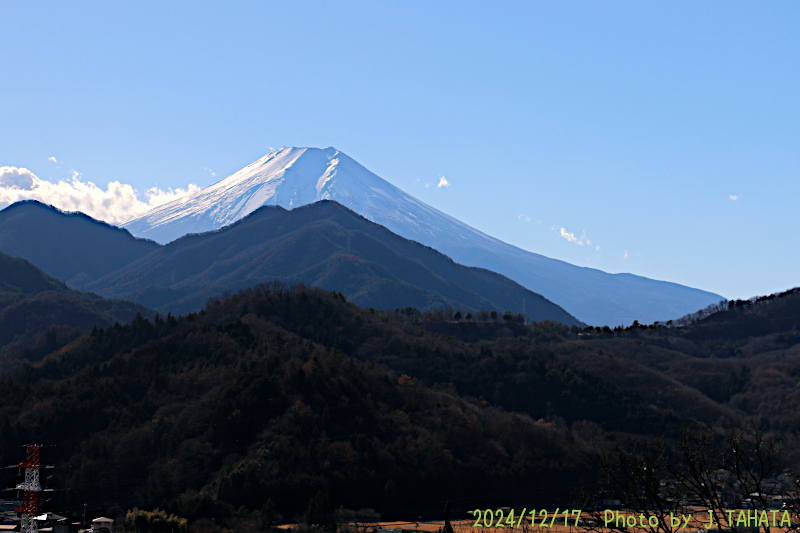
(510, 518)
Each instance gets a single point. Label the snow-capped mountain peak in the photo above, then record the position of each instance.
(293, 177)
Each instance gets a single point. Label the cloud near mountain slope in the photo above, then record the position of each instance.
(116, 203)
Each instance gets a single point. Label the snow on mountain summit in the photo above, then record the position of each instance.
(293, 177)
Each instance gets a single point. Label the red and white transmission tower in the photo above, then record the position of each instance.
(31, 489)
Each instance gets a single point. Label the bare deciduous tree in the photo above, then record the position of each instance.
(731, 481)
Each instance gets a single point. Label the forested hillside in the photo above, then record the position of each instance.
(31, 302)
(323, 245)
(71, 247)
(275, 394)
(210, 412)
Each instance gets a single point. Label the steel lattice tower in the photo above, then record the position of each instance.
(31, 489)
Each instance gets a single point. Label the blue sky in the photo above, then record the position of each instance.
(667, 134)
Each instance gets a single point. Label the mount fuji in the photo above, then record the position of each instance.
(293, 177)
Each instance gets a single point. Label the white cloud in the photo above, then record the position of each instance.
(733, 197)
(597, 248)
(53, 159)
(580, 241)
(14, 178)
(117, 203)
(443, 182)
(525, 218)
(567, 235)
(625, 255)
(213, 174)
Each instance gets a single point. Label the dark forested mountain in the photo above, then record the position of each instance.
(31, 302)
(759, 316)
(71, 247)
(325, 245)
(18, 276)
(277, 393)
(211, 412)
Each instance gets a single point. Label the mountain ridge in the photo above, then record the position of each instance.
(70, 246)
(323, 244)
(31, 302)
